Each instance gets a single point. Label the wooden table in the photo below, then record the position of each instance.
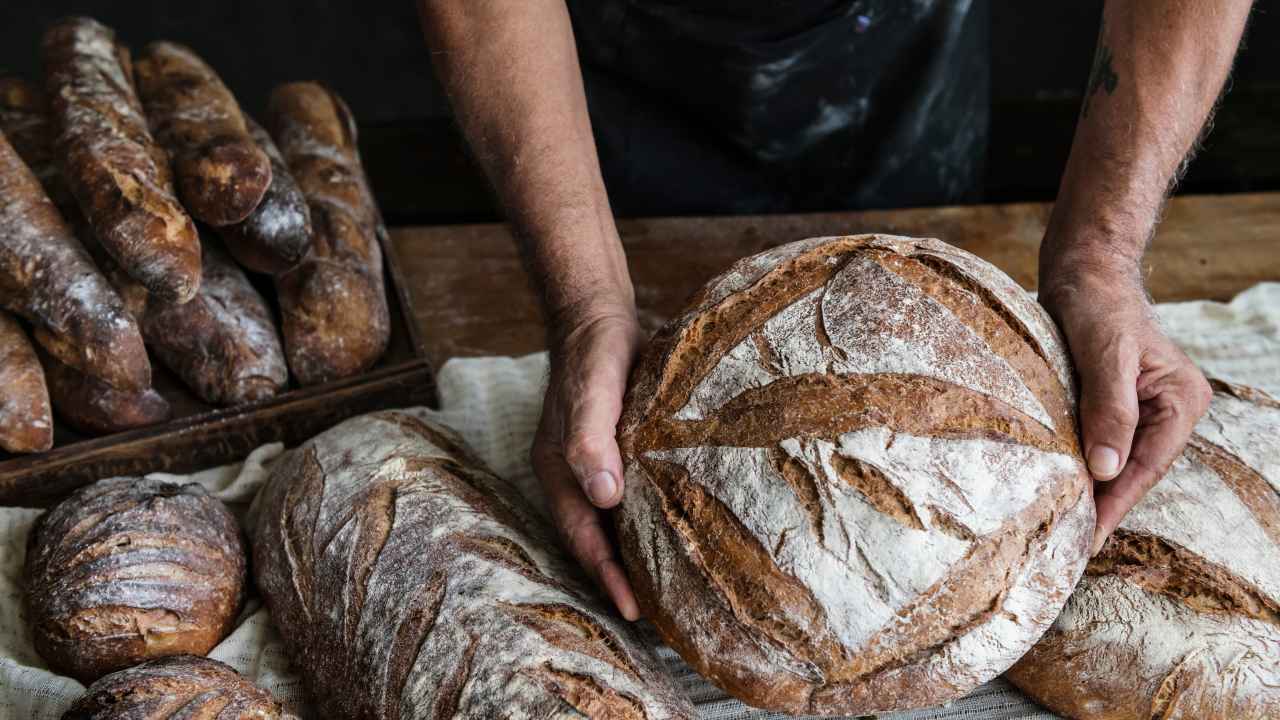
(471, 297)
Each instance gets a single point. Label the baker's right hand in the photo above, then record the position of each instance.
(575, 451)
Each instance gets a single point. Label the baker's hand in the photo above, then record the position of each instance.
(1140, 395)
(575, 453)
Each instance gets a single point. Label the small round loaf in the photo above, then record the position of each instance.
(174, 688)
(853, 481)
(1179, 615)
(130, 569)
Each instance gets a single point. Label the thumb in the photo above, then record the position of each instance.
(592, 409)
(1108, 411)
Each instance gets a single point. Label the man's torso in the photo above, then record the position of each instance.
(758, 106)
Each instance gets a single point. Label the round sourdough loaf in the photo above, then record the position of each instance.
(853, 476)
(129, 569)
(1178, 617)
(183, 687)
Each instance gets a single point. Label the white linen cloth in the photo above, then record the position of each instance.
(494, 404)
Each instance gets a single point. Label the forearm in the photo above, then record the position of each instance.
(1158, 70)
(511, 72)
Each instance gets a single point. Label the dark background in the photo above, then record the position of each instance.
(372, 52)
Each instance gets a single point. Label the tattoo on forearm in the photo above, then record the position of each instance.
(1102, 76)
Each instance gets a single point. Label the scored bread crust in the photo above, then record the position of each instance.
(129, 569)
(176, 688)
(221, 173)
(222, 343)
(117, 172)
(333, 304)
(1178, 616)
(277, 234)
(408, 583)
(853, 476)
(48, 279)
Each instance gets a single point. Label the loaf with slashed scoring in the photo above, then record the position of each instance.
(26, 424)
(1178, 616)
(408, 583)
(47, 278)
(117, 172)
(334, 304)
(223, 343)
(277, 234)
(853, 481)
(87, 403)
(130, 569)
(183, 687)
(221, 173)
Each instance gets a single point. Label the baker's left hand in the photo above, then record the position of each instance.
(1140, 395)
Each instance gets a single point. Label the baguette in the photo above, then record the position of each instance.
(408, 584)
(25, 423)
(277, 234)
(223, 344)
(221, 172)
(92, 407)
(183, 687)
(86, 403)
(47, 278)
(334, 306)
(118, 174)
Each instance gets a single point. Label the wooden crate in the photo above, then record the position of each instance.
(200, 435)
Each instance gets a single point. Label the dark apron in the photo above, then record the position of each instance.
(746, 106)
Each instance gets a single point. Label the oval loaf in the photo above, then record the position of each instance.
(408, 584)
(853, 476)
(1178, 616)
(182, 687)
(130, 569)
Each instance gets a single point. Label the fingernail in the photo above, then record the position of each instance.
(1099, 539)
(1104, 462)
(601, 487)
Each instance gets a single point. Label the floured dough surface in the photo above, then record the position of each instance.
(853, 480)
(1178, 617)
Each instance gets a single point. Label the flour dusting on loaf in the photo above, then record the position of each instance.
(277, 234)
(408, 583)
(129, 569)
(176, 688)
(223, 343)
(48, 279)
(1179, 615)
(119, 175)
(898, 329)
(333, 304)
(853, 479)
